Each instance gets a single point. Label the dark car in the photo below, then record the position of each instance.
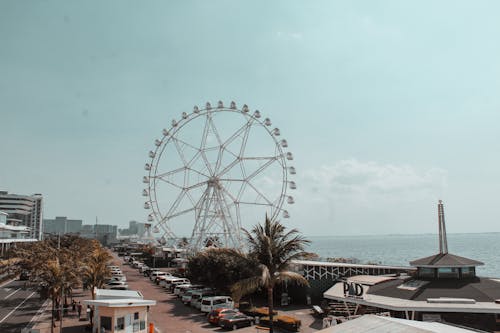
(236, 321)
(25, 275)
(216, 315)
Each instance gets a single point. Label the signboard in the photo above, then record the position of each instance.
(352, 289)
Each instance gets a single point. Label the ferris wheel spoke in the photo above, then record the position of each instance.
(181, 213)
(179, 151)
(256, 204)
(176, 139)
(198, 172)
(238, 132)
(169, 173)
(228, 168)
(259, 193)
(207, 162)
(261, 168)
(225, 190)
(245, 138)
(180, 187)
(176, 203)
(215, 131)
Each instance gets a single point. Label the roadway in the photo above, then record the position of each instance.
(18, 306)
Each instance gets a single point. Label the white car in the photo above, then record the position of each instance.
(170, 286)
(120, 285)
(211, 303)
(198, 295)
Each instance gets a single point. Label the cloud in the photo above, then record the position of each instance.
(365, 181)
(289, 35)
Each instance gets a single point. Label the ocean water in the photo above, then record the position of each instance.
(401, 249)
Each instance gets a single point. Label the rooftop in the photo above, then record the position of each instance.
(445, 260)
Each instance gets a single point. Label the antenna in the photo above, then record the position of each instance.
(443, 242)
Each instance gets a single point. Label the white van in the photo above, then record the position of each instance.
(156, 274)
(197, 296)
(186, 298)
(166, 279)
(170, 284)
(210, 303)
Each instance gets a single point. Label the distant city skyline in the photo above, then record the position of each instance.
(387, 106)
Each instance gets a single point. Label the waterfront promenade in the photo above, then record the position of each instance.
(169, 314)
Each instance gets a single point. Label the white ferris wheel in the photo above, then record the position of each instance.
(214, 171)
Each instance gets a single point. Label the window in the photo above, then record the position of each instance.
(105, 323)
(136, 315)
(468, 272)
(448, 273)
(120, 323)
(425, 272)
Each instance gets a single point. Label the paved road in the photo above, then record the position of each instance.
(18, 306)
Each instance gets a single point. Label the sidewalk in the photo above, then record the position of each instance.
(71, 322)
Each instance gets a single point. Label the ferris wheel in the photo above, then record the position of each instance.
(214, 171)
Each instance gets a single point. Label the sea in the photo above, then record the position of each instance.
(399, 250)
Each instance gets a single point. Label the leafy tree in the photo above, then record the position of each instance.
(220, 267)
(95, 272)
(274, 249)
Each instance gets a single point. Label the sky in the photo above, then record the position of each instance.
(387, 106)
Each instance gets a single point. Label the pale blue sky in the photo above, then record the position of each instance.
(387, 106)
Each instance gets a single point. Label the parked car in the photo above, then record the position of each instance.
(155, 274)
(186, 298)
(149, 270)
(198, 295)
(215, 315)
(170, 284)
(164, 280)
(118, 278)
(210, 303)
(181, 289)
(236, 321)
(120, 285)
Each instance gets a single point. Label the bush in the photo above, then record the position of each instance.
(258, 312)
(288, 323)
(285, 322)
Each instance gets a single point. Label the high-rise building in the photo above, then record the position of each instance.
(134, 228)
(24, 210)
(62, 225)
(104, 233)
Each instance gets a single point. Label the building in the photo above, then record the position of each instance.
(383, 324)
(24, 210)
(11, 234)
(62, 225)
(104, 233)
(134, 229)
(444, 287)
(119, 311)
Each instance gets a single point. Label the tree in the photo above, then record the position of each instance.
(95, 272)
(220, 267)
(274, 249)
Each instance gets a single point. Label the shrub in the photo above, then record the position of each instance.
(285, 322)
(259, 312)
(288, 323)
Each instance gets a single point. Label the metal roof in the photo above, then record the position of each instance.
(445, 260)
(380, 324)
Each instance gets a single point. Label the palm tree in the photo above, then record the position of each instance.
(274, 249)
(95, 272)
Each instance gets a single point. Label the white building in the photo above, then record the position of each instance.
(119, 311)
(24, 210)
(11, 234)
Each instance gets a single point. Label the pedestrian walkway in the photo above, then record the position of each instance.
(71, 323)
